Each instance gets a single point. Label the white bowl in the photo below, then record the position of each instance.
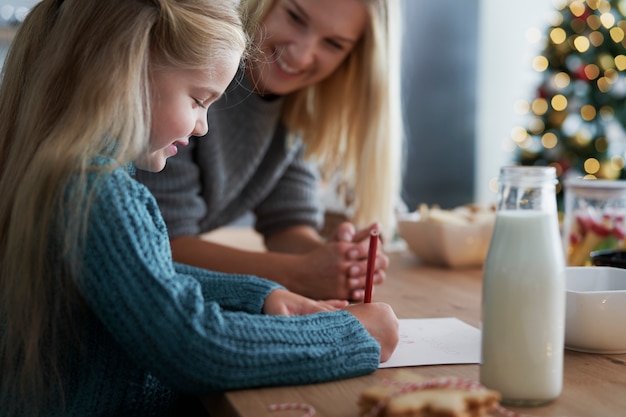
(595, 318)
(447, 244)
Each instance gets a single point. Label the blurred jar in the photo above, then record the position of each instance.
(595, 213)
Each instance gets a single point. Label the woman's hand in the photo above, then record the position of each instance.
(333, 269)
(286, 303)
(357, 257)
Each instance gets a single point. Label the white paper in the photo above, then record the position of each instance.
(435, 341)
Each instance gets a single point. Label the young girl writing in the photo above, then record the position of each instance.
(324, 83)
(95, 318)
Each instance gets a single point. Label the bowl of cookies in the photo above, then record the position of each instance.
(455, 238)
(595, 318)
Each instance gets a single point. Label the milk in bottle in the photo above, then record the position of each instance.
(523, 306)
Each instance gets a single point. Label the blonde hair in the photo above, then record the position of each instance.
(351, 122)
(75, 86)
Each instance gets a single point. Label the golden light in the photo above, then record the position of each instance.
(559, 102)
(556, 19)
(620, 62)
(558, 36)
(577, 8)
(593, 4)
(617, 163)
(539, 106)
(606, 61)
(540, 63)
(537, 126)
(592, 165)
(519, 134)
(582, 137)
(588, 112)
(596, 38)
(603, 6)
(617, 34)
(594, 22)
(592, 71)
(607, 113)
(604, 84)
(549, 140)
(607, 170)
(581, 43)
(607, 19)
(525, 144)
(612, 75)
(601, 144)
(561, 80)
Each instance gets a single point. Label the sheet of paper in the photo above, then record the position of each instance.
(435, 341)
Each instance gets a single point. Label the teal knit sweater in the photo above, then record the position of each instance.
(155, 329)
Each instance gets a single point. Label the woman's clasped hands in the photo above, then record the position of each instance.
(337, 268)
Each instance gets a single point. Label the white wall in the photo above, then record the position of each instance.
(505, 76)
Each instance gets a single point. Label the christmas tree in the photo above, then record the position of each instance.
(578, 115)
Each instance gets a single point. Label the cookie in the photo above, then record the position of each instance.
(449, 401)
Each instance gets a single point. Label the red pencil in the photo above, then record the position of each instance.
(371, 264)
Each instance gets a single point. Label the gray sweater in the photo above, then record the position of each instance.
(244, 164)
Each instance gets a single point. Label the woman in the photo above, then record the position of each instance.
(323, 88)
(95, 318)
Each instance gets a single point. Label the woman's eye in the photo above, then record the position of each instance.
(335, 45)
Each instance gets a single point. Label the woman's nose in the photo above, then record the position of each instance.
(302, 53)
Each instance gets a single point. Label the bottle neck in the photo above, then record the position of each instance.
(527, 188)
(519, 197)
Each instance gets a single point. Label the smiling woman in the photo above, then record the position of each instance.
(319, 97)
(307, 43)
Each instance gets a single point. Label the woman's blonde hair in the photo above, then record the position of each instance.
(75, 86)
(351, 122)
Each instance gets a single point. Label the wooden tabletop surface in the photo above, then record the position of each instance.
(594, 385)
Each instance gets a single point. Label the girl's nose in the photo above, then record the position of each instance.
(202, 126)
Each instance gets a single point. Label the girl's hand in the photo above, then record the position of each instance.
(286, 303)
(381, 322)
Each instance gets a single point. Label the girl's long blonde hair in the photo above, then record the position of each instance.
(74, 87)
(351, 122)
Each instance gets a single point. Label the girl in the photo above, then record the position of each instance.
(95, 318)
(324, 83)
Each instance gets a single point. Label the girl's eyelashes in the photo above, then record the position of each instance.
(201, 103)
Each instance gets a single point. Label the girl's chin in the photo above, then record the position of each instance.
(155, 163)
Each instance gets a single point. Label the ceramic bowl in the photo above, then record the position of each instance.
(595, 318)
(446, 243)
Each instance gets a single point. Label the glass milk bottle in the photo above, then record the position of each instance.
(523, 305)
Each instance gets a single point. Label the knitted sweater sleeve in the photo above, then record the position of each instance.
(196, 330)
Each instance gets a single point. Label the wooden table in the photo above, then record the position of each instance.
(594, 384)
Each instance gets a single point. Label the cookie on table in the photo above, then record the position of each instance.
(431, 402)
